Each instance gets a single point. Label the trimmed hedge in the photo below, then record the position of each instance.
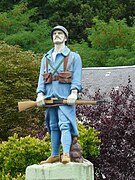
(18, 153)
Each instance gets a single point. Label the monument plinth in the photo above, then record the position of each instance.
(59, 171)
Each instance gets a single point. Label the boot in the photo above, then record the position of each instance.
(51, 159)
(65, 158)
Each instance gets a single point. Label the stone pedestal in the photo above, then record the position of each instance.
(59, 171)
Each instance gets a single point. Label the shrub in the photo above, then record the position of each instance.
(9, 177)
(18, 153)
(116, 122)
(19, 75)
(89, 141)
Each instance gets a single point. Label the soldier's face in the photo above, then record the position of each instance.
(59, 37)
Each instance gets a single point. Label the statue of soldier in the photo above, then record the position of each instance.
(60, 77)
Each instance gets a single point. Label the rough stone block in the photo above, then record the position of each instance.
(59, 171)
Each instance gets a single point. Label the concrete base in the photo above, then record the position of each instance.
(59, 171)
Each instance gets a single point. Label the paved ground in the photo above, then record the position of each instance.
(106, 78)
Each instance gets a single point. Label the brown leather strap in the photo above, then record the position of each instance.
(65, 62)
(55, 78)
(46, 65)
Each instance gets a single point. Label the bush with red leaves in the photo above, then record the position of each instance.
(115, 119)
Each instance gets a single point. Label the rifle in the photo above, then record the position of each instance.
(26, 105)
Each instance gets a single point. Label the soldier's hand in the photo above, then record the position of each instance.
(72, 97)
(40, 100)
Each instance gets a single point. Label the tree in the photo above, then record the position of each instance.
(115, 120)
(19, 74)
(7, 5)
(17, 28)
(78, 15)
(112, 43)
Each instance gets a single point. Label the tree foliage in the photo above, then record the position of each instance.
(115, 120)
(19, 75)
(109, 44)
(104, 44)
(77, 15)
(17, 28)
(106, 36)
(112, 43)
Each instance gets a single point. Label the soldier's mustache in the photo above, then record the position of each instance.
(57, 37)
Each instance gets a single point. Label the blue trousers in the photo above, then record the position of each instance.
(60, 130)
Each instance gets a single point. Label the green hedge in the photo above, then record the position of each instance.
(18, 153)
(89, 141)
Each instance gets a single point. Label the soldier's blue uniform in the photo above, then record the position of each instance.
(60, 118)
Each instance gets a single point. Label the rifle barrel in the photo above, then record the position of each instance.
(82, 102)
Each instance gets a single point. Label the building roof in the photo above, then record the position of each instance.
(106, 78)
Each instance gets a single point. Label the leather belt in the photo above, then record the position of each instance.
(55, 78)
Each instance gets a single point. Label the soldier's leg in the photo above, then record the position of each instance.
(55, 131)
(66, 139)
(53, 128)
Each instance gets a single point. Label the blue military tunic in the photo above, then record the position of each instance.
(60, 90)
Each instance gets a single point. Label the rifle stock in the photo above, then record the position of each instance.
(25, 105)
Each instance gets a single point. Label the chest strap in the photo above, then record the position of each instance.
(55, 69)
(62, 77)
(65, 62)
